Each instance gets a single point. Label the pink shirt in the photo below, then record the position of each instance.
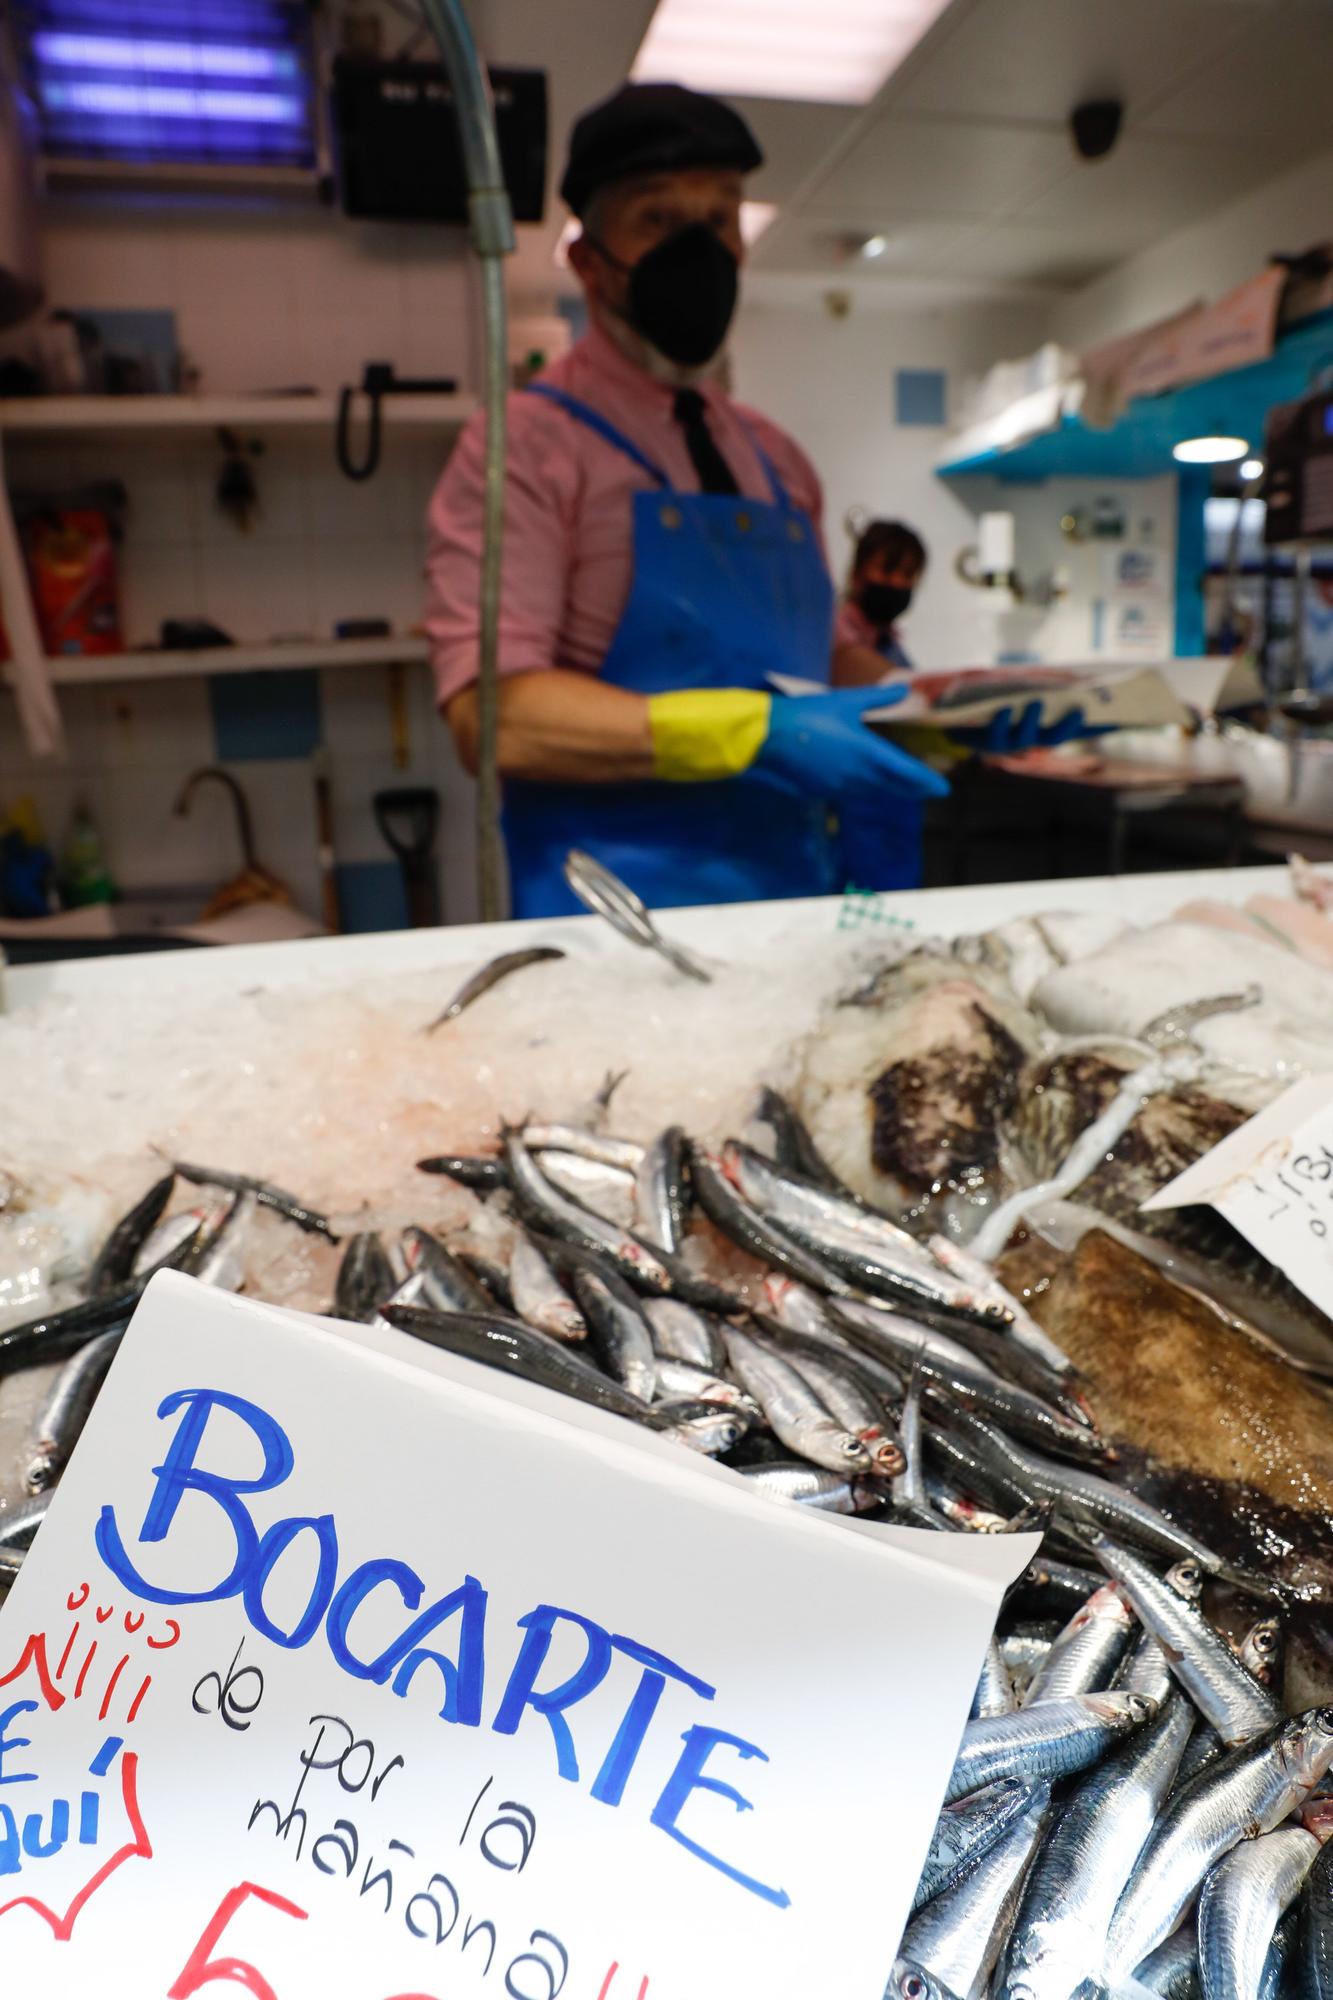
(569, 560)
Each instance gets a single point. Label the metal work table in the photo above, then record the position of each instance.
(1109, 802)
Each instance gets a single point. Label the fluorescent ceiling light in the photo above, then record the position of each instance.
(756, 217)
(1210, 450)
(841, 52)
(874, 246)
(1252, 468)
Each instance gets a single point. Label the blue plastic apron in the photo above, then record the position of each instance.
(725, 592)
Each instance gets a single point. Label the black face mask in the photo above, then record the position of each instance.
(682, 294)
(884, 603)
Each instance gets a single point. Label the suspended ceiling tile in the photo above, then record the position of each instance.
(1037, 58)
(794, 138)
(945, 166)
(1023, 253)
(822, 242)
(1272, 84)
(1160, 183)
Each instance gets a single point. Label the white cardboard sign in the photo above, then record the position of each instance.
(1273, 1179)
(344, 1668)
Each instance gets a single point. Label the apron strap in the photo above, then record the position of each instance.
(593, 420)
(584, 413)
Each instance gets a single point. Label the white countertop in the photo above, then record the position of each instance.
(724, 932)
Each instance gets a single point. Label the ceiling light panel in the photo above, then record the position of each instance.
(1210, 450)
(841, 52)
(756, 217)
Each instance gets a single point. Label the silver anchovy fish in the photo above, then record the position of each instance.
(1097, 1836)
(966, 1830)
(490, 975)
(794, 1413)
(1218, 1684)
(1087, 1652)
(1240, 1906)
(1052, 1741)
(68, 1408)
(538, 1295)
(995, 1694)
(1248, 1792)
(811, 1486)
(682, 1333)
(659, 1190)
(959, 1936)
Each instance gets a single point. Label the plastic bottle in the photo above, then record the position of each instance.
(84, 876)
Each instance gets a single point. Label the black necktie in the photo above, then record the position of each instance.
(715, 475)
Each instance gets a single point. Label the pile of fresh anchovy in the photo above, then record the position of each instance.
(1130, 1809)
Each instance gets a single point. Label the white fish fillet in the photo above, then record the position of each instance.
(1223, 917)
(1305, 930)
(1148, 972)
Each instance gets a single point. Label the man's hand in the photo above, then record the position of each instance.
(820, 743)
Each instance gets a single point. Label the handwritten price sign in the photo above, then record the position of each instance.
(1273, 1179)
(342, 1667)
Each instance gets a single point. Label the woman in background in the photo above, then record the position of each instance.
(885, 849)
(887, 565)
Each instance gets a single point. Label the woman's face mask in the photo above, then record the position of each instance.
(884, 603)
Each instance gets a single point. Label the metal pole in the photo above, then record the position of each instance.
(492, 225)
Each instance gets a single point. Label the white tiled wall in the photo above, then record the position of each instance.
(131, 748)
(321, 548)
(270, 299)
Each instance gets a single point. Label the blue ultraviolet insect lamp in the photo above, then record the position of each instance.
(226, 82)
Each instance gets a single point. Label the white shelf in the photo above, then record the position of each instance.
(101, 669)
(59, 416)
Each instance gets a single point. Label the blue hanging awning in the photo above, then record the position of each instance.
(1139, 444)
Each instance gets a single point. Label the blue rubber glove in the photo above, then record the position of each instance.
(819, 743)
(1002, 736)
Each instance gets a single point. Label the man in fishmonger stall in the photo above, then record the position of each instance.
(663, 559)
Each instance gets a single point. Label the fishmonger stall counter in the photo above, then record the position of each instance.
(470, 1396)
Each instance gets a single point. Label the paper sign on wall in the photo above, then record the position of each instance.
(344, 1668)
(1272, 1179)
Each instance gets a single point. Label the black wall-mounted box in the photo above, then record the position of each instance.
(397, 145)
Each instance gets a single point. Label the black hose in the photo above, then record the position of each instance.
(369, 465)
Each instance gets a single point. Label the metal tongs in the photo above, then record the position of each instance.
(607, 896)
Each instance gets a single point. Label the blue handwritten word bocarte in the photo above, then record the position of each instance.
(334, 1602)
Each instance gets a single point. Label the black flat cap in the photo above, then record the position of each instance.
(654, 128)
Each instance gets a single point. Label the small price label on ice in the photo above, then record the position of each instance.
(1273, 1180)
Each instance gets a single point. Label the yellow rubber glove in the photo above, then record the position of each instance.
(701, 733)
